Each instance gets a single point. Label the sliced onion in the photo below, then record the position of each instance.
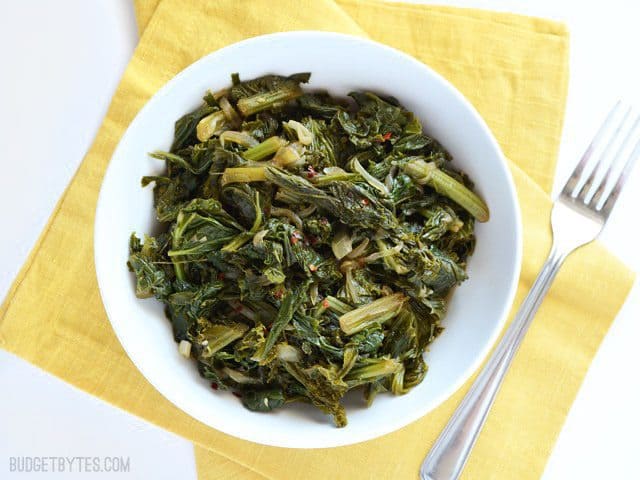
(213, 124)
(305, 137)
(229, 111)
(241, 138)
(290, 155)
(220, 93)
(333, 170)
(259, 237)
(370, 179)
(184, 348)
(287, 353)
(239, 377)
(382, 254)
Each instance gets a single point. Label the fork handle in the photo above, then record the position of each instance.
(447, 457)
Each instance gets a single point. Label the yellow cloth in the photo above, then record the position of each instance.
(512, 68)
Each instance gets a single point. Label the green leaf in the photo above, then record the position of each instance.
(185, 127)
(263, 400)
(285, 314)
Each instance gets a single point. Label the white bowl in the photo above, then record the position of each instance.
(340, 64)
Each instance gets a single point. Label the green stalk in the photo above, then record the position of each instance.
(242, 175)
(337, 306)
(322, 180)
(262, 101)
(348, 361)
(237, 242)
(389, 260)
(240, 138)
(429, 174)
(288, 197)
(371, 369)
(176, 236)
(215, 337)
(376, 312)
(397, 383)
(261, 151)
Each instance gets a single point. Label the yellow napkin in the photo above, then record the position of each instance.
(513, 69)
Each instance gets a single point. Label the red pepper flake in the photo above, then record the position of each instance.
(214, 385)
(325, 303)
(278, 293)
(382, 138)
(313, 268)
(296, 236)
(221, 276)
(237, 394)
(311, 239)
(365, 201)
(311, 172)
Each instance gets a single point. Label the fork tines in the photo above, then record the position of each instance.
(590, 182)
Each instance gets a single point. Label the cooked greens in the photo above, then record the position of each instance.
(307, 243)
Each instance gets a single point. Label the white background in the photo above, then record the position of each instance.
(61, 62)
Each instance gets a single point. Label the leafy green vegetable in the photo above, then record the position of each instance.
(263, 400)
(429, 174)
(307, 244)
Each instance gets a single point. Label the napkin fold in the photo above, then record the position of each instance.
(512, 68)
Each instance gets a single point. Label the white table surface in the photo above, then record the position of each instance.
(61, 62)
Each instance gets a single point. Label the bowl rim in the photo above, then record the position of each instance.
(384, 427)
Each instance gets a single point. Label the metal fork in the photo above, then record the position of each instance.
(577, 218)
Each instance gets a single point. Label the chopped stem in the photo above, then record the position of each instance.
(322, 180)
(374, 368)
(240, 138)
(243, 175)
(387, 255)
(215, 337)
(265, 149)
(376, 312)
(175, 241)
(337, 306)
(262, 101)
(429, 174)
